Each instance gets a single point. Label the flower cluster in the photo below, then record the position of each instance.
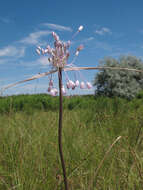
(58, 58)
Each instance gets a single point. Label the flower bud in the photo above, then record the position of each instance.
(38, 51)
(68, 85)
(82, 85)
(67, 55)
(50, 59)
(56, 37)
(49, 88)
(89, 85)
(63, 90)
(80, 47)
(56, 91)
(38, 47)
(73, 87)
(76, 53)
(71, 83)
(43, 51)
(49, 50)
(76, 83)
(51, 83)
(53, 92)
(80, 28)
(46, 51)
(68, 44)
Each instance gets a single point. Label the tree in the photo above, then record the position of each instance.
(120, 83)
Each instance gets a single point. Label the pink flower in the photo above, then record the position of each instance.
(58, 58)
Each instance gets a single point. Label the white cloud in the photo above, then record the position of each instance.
(5, 20)
(12, 51)
(88, 39)
(103, 31)
(3, 61)
(34, 37)
(103, 45)
(57, 27)
(43, 61)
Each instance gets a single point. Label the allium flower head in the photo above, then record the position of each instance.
(58, 57)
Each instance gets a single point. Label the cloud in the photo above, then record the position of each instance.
(104, 46)
(12, 51)
(88, 39)
(103, 31)
(3, 61)
(141, 31)
(57, 27)
(5, 20)
(43, 61)
(34, 37)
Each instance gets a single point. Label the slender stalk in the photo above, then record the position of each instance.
(67, 69)
(60, 129)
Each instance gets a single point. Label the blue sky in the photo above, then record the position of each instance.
(111, 28)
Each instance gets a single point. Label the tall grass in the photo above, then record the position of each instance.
(29, 157)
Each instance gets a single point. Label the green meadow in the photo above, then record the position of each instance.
(96, 159)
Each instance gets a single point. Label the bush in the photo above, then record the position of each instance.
(120, 83)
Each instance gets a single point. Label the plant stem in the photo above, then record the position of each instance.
(60, 128)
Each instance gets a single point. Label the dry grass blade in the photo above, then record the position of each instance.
(29, 79)
(101, 162)
(101, 68)
(68, 69)
(136, 162)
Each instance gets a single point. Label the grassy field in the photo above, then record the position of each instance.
(29, 158)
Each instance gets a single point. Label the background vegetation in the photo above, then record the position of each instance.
(120, 83)
(29, 157)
